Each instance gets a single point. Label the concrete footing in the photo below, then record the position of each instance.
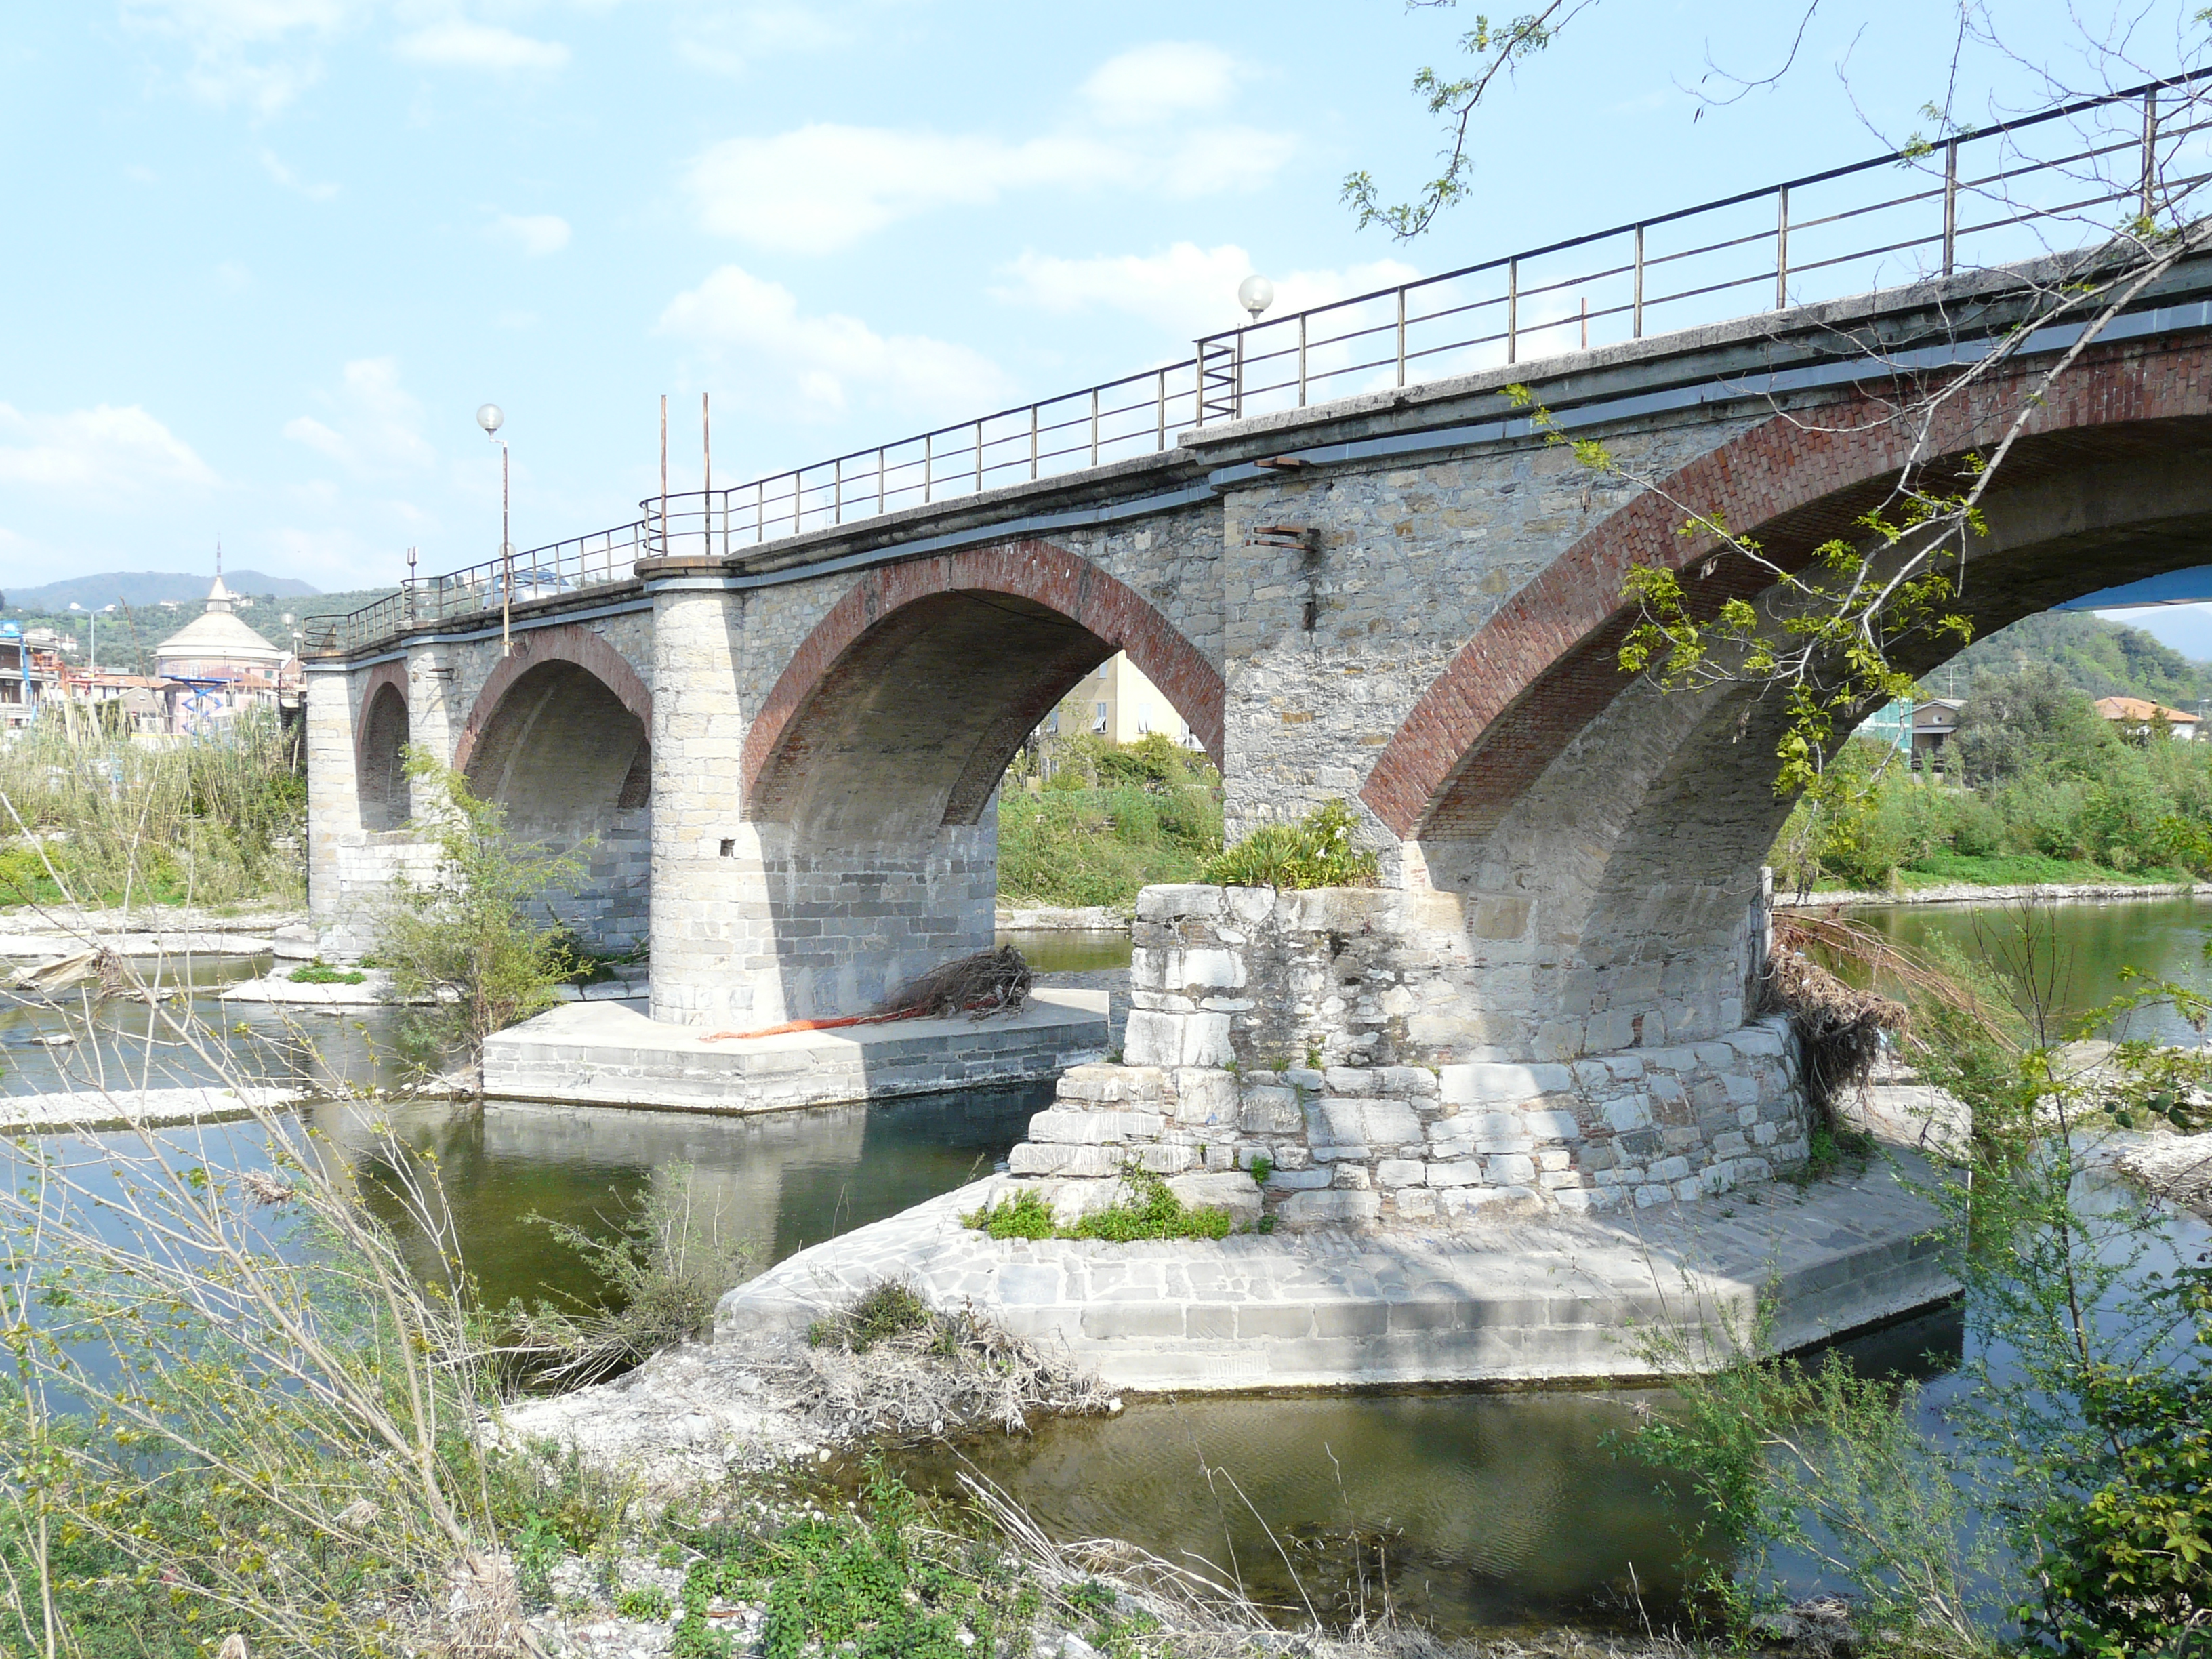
(612, 1054)
(1543, 1298)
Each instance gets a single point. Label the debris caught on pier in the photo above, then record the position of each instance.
(1839, 1028)
(988, 982)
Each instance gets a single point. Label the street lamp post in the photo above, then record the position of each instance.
(490, 417)
(1255, 294)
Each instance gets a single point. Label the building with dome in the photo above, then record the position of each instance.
(217, 667)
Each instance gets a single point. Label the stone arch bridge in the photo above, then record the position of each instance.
(785, 756)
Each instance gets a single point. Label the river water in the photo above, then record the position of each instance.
(1477, 1511)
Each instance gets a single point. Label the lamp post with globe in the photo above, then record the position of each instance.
(1255, 294)
(491, 417)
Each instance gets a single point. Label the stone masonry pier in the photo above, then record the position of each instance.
(1323, 1038)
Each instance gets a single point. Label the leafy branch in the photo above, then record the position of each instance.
(1500, 48)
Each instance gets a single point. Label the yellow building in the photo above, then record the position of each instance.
(1119, 704)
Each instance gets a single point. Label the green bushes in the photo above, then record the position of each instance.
(474, 938)
(2142, 814)
(107, 821)
(1317, 851)
(1108, 822)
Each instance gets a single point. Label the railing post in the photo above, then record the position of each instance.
(879, 478)
(1512, 320)
(1033, 447)
(1162, 442)
(1781, 247)
(760, 511)
(1094, 426)
(928, 462)
(837, 490)
(1302, 359)
(1950, 207)
(1401, 334)
(1197, 383)
(979, 458)
(1237, 386)
(2150, 154)
(1636, 304)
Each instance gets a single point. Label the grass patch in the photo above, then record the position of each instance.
(1154, 1212)
(320, 972)
(2025, 870)
(889, 1577)
(1081, 847)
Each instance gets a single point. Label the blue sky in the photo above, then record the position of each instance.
(264, 258)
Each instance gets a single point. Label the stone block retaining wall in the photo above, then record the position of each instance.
(1321, 1032)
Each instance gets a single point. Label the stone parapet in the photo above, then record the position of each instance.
(1314, 1037)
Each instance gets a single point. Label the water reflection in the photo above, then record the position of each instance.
(2088, 944)
(778, 1181)
(1071, 950)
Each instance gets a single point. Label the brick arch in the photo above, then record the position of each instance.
(570, 642)
(380, 794)
(1067, 614)
(1545, 664)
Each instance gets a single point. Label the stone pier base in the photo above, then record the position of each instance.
(611, 1053)
(1551, 1299)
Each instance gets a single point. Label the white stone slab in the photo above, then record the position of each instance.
(614, 1053)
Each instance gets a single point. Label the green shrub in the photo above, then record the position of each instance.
(320, 972)
(1317, 851)
(645, 1602)
(1026, 1215)
(475, 938)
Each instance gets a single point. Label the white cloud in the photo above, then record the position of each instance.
(95, 451)
(731, 43)
(283, 175)
(378, 426)
(536, 234)
(247, 51)
(823, 365)
(458, 44)
(1188, 290)
(822, 187)
(1166, 79)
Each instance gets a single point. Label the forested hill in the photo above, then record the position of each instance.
(2103, 659)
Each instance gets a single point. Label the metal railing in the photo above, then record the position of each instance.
(1978, 202)
(605, 556)
(1981, 200)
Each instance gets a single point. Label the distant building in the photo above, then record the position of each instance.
(1933, 724)
(219, 667)
(21, 681)
(1890, 726)
(1115, 701)
(2136, 717)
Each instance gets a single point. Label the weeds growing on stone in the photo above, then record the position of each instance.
(320, 972)
(1152, 1211)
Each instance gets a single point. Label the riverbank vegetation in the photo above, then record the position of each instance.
(2036, 787)
(2062, 1501)
(107, 821)
(473, 935)
(1107, 820)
